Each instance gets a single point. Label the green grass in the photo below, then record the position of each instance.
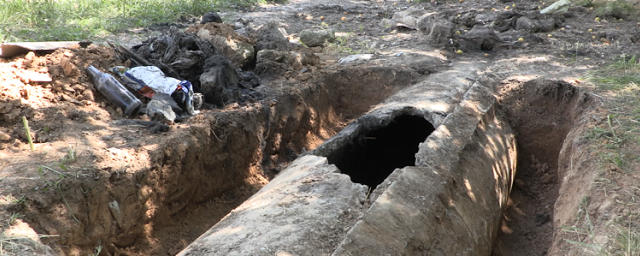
(619, 9)
(616, 140)
(71, 20)
(621, 76)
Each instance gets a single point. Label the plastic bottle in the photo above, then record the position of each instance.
(114, 91)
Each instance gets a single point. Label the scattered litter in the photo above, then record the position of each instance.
(149, 80)
(400, 53)
(559, 7)
(355, 57)
(114, 91)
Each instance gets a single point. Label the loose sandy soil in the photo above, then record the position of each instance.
(95, 181)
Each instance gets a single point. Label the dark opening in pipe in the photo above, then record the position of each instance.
(372, 156)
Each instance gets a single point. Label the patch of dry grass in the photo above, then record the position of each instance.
(615, 140)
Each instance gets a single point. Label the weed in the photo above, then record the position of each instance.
(60, 177)
(585, 3)
(626, 241)
(340, 45)
(575, 55)
(98, 249)
(12, 200)
(70, 157)
(323, 25)
(583, 234)
(617, 9)
(366, 47)
(20, 200)
(14, 217)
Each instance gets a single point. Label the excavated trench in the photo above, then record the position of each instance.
(381, 154)
(543, 114)
(390, 150)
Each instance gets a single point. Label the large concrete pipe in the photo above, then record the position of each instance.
(426, 172)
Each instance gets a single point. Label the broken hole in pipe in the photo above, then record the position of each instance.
(373, 156)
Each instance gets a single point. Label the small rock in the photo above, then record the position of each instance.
(387, 23)
(546, 178)
(312, 38)
(22, 134)
(210, 17)
(426, 21)
(519, 184)
(219, 81)
(270, 37)
(500, 25)
(479, 39)
(467, 19)
(485, 19)
(11, 115)
(237, 48)
(248, 79)
(70, 99)
(546, 25)
(198, 100)
(441, 31)
(541, 219)
(524, 23)
(28, 59)
(66, 87)
(506, 15)
(55, 70)
(68, 68)
(4, 136)
(273, 63)
(28, 76)
(409, 17)
(162, 108)
(88, 95)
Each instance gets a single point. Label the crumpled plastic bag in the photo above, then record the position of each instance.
(138, 78)
(149, 80)
(559, 7)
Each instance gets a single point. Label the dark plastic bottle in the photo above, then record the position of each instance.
(114, 91)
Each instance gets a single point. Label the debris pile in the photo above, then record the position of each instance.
(178, 54)
(198, 58)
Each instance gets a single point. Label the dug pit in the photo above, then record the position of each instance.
(454, 186)
(543, 114)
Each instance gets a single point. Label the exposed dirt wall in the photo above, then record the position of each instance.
(546, 115)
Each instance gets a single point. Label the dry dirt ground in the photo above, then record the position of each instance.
(97, 184)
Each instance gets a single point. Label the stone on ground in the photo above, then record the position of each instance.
(313, 38)
(219, 81)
